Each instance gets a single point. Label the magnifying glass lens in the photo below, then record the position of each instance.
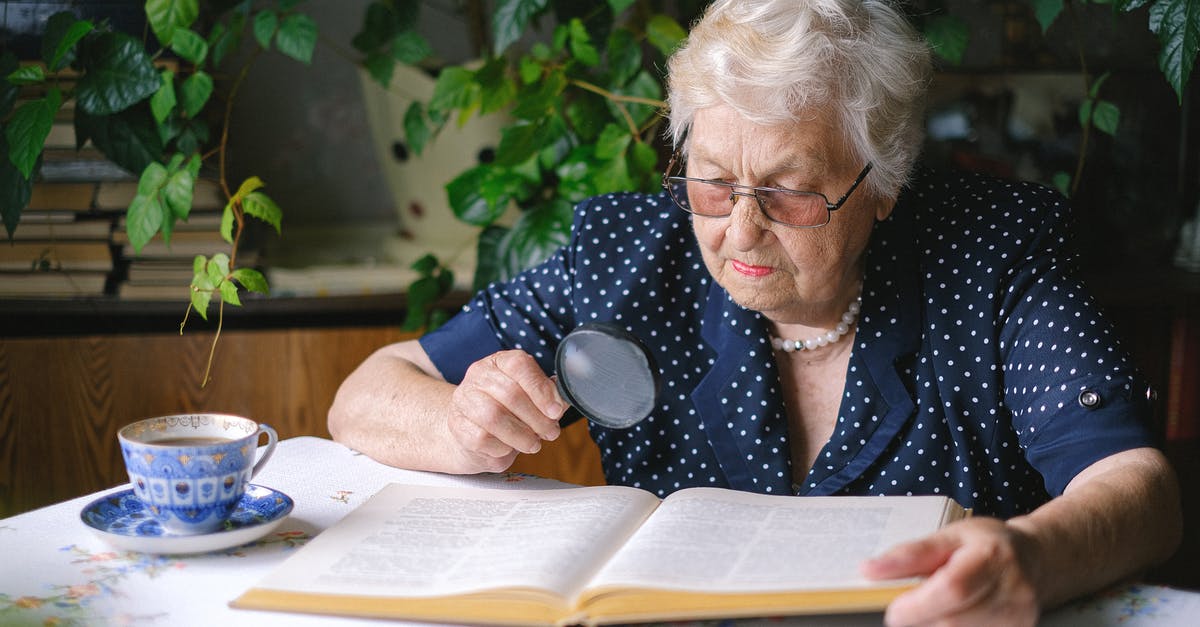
(607, 374)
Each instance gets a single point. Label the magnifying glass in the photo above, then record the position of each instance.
(607, 374)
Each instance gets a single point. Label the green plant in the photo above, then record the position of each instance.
(1175, 23)
(585, 97)
(152, 118)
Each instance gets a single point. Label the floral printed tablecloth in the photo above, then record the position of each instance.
(56, 571)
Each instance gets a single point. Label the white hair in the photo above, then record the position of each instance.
(774, 61)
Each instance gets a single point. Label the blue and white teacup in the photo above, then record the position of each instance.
(190, 470)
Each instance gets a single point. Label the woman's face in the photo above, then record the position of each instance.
(789, 274)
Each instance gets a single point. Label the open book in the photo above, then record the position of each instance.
(597, 555)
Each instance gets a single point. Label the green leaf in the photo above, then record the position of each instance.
(665, 34)
(163, 100)
(643, 167)
(227, 222)
(455, 89)
(1106, 117)
(1177, 24)
(143, 220)
(1046, 11)
(297, 37)
(381, 67)
(624, 56)
(487, 251)
(265, 24)
(612, 141)
(259, 205)
(129, 138)
(177, 193)
(581, 44)
(588, 115)
(420, 297)
(1085, 112)
(535, 235)
(201, 290)
(1062, 182)
(229, 293)
(28, 128)
(117, 74)
(416, 131)
(63, 31)
(466, 198)
(195, 92)
(496, 89)
(221, 41)
(947, 36)
(644, 85)
(1094, 91)
(425, 265)
(190, 46)
(510, 20)
(536, 103)
(15, 190)
(410, 47)
(167, 16)
(252, 280)
(620, 5)
(28, 75)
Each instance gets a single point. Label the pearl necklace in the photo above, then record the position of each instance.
(829, 337)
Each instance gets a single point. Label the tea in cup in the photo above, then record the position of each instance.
(191, 470)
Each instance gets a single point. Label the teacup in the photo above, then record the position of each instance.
(190, 470)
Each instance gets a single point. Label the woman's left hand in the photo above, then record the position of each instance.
(979, 571)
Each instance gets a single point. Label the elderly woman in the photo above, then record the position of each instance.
(828, 319)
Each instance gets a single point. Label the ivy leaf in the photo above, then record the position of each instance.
(620, 5)
(409, 47)
(190, 46)
(129, 138)
(612, 141)
(510, 19)
(229, 292)
(1062, 182)
(201, 290)
(167, 16)
(265, 23)
(163, 100)
(177, 193)
(247, 186)
(227, 222)
(259, 205)
(644, 85)
(195, 92)
(1046, 11)
(496, 89)
(1177, 24)
(416, 131)
(643, 166)
(534, 236)
(117, 74)
(581, 44)
(297, 37)
(455, 89)
(15, 190)
(143, 220)
(624, 56)
(487, 252)
(466, 198)
(252, 280)
(947, 36)
(63, 31)
(381, 67)
(1106, 117)
(28, 75)
(27, 130)
(221, 42)
(420, 296)
(536, 103)
(665, 34)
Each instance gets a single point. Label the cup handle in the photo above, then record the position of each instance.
(272, 439)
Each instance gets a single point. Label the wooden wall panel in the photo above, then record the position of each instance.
(63, 399)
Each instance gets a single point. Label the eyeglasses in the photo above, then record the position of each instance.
(715, 199)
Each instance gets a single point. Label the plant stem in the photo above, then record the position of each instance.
(1087, 93)
(619, 101)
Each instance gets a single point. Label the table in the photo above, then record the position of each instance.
(55, 570)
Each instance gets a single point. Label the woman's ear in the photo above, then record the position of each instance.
(883, 208)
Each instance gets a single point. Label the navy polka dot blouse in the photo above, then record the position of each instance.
(981, 368)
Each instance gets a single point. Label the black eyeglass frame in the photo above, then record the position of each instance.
(676, 160)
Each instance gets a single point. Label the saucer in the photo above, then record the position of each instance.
(121, 520)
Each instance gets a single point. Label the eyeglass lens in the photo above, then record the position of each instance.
(713, 199)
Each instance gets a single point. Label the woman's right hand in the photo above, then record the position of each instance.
(504, 406)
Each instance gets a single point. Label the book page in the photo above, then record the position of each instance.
(713, 540)
(421, 541)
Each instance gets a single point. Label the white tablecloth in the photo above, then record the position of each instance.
(55, 570)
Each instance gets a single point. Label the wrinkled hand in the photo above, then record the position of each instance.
(504, 406)
(979, 573)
